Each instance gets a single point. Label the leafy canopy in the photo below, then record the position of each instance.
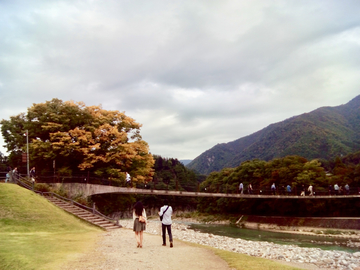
(79, 137)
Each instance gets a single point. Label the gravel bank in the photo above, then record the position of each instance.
(312, 257)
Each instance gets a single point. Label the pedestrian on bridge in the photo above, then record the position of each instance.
(330, 190)
(128, 179)
(32, 172)
(288, 189)
(302, 191)
(241, 188)
(250, 188)
(347, 189)
(15, 174)
(310, 189)
(273, 188)
(336, 189)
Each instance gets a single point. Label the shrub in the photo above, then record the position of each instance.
(42, 187)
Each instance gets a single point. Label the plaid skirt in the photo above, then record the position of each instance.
(139, 226)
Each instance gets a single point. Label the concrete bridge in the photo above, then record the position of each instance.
(91, 189)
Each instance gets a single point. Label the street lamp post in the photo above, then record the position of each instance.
(27, 153)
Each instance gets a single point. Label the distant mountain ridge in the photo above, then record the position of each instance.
(185, 161)
(324, 133)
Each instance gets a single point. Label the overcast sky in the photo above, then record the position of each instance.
(193, 73)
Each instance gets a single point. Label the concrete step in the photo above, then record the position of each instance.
(101, 222)
(83, 214)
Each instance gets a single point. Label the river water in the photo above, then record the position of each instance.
(325, 243)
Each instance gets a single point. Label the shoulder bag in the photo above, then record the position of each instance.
(161, 217)
(142, 219)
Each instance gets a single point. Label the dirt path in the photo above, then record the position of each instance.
(117, 250)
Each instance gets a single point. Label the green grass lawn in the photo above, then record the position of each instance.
(241, 261)
(34, 234)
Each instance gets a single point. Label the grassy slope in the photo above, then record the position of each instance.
(37, 235)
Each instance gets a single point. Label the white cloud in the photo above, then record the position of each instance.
(194, 73)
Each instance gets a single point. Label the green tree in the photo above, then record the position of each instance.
(173, 175)
(80, 137)
(3, 162)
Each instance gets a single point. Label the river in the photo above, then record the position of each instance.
(323, 242)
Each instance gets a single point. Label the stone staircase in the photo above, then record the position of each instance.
(84, 214)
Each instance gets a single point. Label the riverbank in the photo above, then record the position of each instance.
(309, 258)
(345, 228)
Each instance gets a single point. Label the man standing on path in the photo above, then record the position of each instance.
(165, 216)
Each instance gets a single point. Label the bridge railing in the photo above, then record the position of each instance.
(90, 179)
(93, 179)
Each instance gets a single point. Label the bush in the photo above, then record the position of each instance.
(62, 192)
(42, 187)
(79, 198)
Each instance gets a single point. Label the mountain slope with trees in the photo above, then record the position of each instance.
(324, 133)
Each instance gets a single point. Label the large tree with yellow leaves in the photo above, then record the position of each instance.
(79, 137)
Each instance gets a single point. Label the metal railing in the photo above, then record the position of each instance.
(30, 185)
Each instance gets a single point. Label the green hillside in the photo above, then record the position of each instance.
(324, 133)
(35, 234)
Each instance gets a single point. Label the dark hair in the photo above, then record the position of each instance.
(166, 202)
(138, 208)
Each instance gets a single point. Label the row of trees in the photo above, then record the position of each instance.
(295, 171)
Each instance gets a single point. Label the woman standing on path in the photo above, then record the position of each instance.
(139, 217)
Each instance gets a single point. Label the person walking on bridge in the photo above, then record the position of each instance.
(250, 188)
(347, 189)
(288, 189)
(273, 189)
(310, 189)
(241, 188)
(336, 189)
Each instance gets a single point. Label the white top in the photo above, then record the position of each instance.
(167, 216)
(136, 216)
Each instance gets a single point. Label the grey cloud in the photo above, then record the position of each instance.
(194, 73)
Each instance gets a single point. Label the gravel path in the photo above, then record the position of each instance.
(117, 250)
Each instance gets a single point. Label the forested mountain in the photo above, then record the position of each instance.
(171, 174)
(324, 133)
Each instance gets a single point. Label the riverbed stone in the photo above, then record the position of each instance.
(325, 259)
(356, 254)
